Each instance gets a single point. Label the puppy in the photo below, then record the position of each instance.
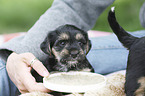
(135, 75)
(66, 47)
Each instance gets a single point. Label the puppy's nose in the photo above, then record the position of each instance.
(74, 53)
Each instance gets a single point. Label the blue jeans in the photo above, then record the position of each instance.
(7, 88)
(107, 55)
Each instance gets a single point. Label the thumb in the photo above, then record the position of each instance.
(37, 65)
(40, 68)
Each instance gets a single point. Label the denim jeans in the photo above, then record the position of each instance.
(7, 88)
(107, 55)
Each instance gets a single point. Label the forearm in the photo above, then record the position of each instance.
(82, 13)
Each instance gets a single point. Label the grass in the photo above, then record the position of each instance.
(127, 14)
(20, 15)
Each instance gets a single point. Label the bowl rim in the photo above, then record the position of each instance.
(74, 89)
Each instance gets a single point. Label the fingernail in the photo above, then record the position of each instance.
(45, 74)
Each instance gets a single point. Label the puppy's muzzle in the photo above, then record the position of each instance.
(74, 53)
(74, 56)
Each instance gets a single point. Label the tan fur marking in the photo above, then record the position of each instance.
(87, 49)
(63, 36)
(57, 54)
(141, 89)
(79, 36)
(64, 52)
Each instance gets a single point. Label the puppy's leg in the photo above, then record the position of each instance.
(131, 86)
(141, 90)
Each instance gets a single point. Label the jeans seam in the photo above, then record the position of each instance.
(2, 67)
(116, 47)
(2, 64)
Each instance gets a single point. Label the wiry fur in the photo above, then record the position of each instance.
(66, 47)
(135, 74)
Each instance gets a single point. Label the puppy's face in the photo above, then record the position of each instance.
(68, 44)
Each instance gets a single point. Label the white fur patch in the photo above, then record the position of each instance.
(112, 9)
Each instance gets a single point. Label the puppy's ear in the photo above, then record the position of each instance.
(89, 45)
(45, 46)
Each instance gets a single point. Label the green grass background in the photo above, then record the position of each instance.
(20, 15)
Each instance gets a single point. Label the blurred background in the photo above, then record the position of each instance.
(20, 15)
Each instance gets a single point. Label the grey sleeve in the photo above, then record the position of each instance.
(81, 13)
(142, 15)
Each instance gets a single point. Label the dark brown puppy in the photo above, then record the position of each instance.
(135, 75)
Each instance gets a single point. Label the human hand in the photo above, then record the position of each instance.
(18, 68)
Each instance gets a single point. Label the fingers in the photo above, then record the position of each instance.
(37, 65)
(41, 70)
(31, 84)
(18, 68)
(23, 90)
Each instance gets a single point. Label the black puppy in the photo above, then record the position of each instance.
(135, 75)
(67, 47)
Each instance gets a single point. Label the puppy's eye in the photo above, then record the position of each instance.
(80, 43)
(62, 43)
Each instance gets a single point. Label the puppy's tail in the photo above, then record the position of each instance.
(125, 38)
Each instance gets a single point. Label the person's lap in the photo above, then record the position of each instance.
(107, 55)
